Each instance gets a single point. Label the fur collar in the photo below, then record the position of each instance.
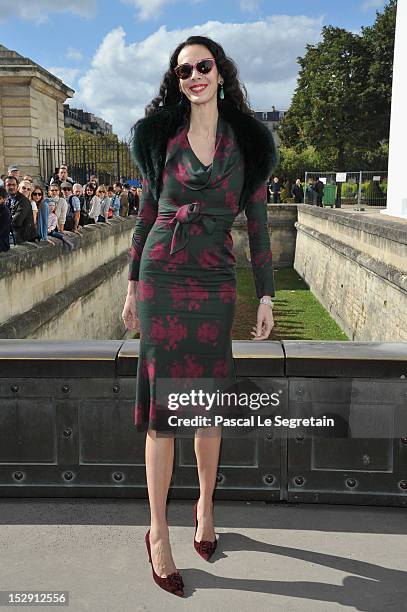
(151, 134)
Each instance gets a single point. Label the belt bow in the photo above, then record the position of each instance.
(185, 215)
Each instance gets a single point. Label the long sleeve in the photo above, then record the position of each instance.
(104, 206)
(147, 214)
(95, 207)
(21, 211)
(43, 214)
(259, 242)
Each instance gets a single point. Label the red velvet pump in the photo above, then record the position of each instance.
(205, 548)
(172, 583)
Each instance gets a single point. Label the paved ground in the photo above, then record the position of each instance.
(270, 556)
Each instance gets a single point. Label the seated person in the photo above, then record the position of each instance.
(52, 226)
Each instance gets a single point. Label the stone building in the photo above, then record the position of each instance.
(272, 119)
(31, 108)
(86, 122)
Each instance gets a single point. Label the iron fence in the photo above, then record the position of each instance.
(352, 188)
(108, 160)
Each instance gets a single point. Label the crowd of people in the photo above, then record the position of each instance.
(32, 212)
(311, 193)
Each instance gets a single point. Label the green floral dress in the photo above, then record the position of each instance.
(182, 256)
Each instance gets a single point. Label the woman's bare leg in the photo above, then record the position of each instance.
(207, 446)
(159, 465)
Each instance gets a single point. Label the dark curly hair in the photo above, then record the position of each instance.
(169, 93)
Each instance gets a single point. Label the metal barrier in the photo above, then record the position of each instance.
(107, 159)
(66, 414)
(354, 188)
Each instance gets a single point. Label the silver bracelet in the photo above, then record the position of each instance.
(267, 300)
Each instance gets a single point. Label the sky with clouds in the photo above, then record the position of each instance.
(113, 53)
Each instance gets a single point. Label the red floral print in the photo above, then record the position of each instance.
(187, 298)
(209, 258)
(220, 369)
(145, 290)
(253, 226)
(181, 173)
(158, 252)
(227, 293)
(168, 333)
(158, 332)
(231, 200)
(193, 369)
(151, 369)
(178, 294)
(190, 368)
(196, 294)
(208, 333)
(175, 260)
(176, 332)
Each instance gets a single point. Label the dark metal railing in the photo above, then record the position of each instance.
(107, 159)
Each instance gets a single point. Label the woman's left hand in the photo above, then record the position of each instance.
(265, 323)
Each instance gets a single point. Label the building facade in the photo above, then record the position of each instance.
(31, 109)
(86, 122)
(272, 119)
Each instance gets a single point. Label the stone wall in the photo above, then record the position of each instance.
(281, 222)
(356, 265)
(44, 283)
(48, 120)
(31, 108)
(90, 308)
(54, 293)
(17, 143)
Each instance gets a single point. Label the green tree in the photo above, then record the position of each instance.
(328, 107)
(104, 155)
(341, 105)
(379, 39)
(293, 163)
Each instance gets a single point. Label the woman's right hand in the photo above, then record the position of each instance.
(129, 314)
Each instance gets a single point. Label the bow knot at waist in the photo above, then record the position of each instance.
(187, 214)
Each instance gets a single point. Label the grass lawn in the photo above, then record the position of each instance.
(297, 313)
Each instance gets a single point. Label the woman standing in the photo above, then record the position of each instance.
(25, 188)
(92, 203)
(101, 192)
(43, 211)
(297, 192)
(135, 201)
(77, 190)
(61, 205)
(204, 158)
(90, 193)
